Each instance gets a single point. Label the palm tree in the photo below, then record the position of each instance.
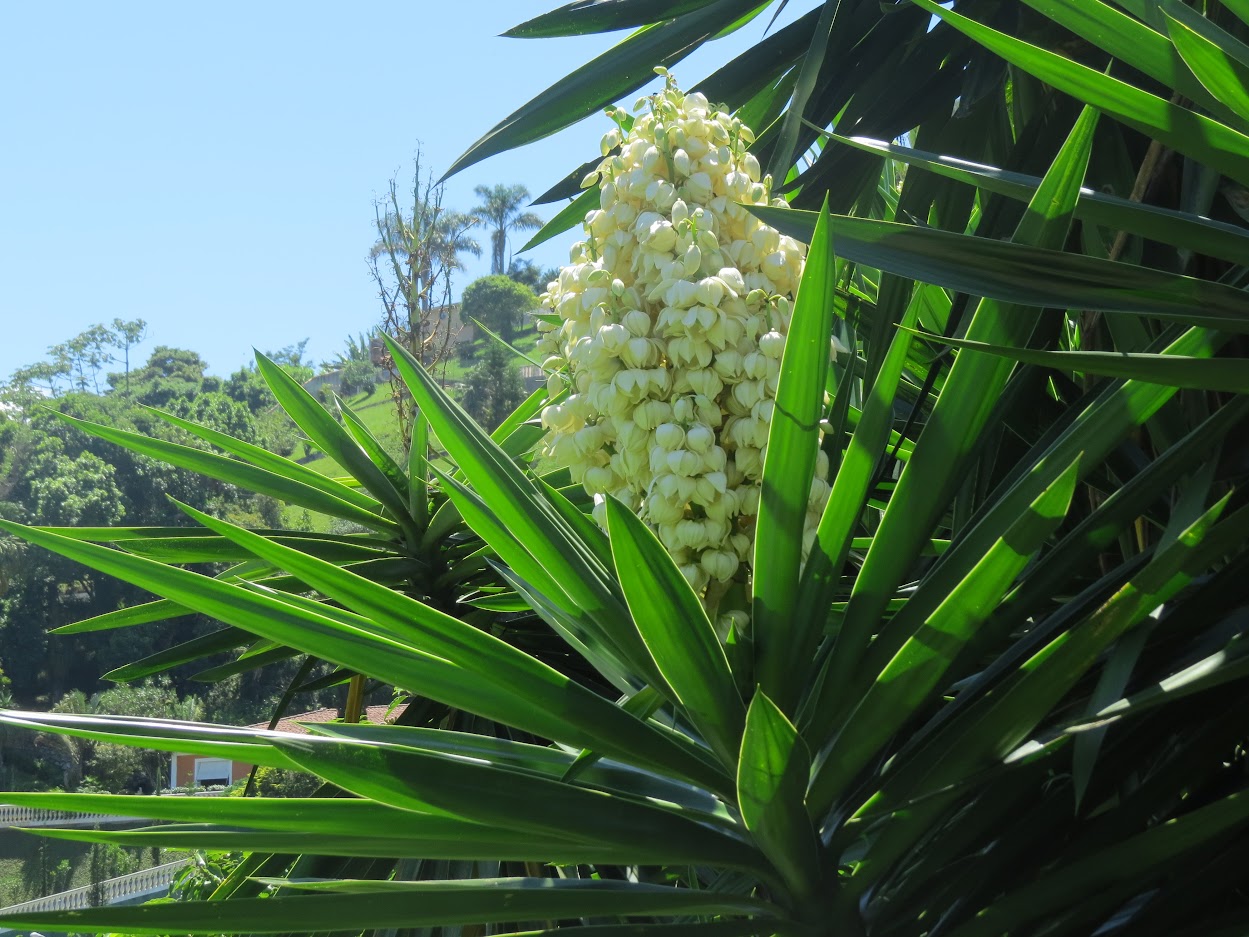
(440, 236)
(501, 208)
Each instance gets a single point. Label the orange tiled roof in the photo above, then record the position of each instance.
(377, 715)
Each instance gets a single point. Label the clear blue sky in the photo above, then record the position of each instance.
(212, 168)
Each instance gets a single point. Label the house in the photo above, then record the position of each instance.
(186, 770)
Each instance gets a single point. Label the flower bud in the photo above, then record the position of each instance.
(690, 533)
(639, 353)
(662, 510)
(742, 545)
(612, 337)
(731, 277)
(599, 511)
(694, 575)
(588, 439)
(697, 187)
(748, 393)
(772, 344)
(650, 413)
(818, 496)
(637, 323)
(598, 479)
(699, 438)
(668, 536)
(692, 260)
(710, 291)
(756, 367)
(720, 565)
(708, 411)
(705, 382)
(669, 436)
(683, 462)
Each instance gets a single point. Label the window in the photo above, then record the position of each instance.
(213, 771)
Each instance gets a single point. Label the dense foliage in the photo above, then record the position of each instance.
(1004, 693)
(53, 474)
(499, 302)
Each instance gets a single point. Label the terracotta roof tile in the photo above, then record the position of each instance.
(372, 714)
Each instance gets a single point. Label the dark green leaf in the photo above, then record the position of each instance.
(772, 787)
(561, 707)
(1206, 140)
(160, 610)
(1168, 226)
(1222, 374)
(410, 778)
(248, 477)
(677, 632)
(409, 905)
(335, 441)
(566, 218)
(265, 459)
(601, 16)
(1217, 58)
(612, 75)
(205, 645)
(793, 441)
(1023, 274)
(910, 678)
(373, 447)
(1130, 41)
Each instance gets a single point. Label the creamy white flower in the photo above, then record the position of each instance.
(674, 312)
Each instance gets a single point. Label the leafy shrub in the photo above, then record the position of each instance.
(279, 782)
(358, 377)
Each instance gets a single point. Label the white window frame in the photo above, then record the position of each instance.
(214, 774)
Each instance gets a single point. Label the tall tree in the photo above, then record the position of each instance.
(125, 336)
(84, 356)
(499, 302)
(494, 387)
(500, 210)
(527, 272)
(169, 372)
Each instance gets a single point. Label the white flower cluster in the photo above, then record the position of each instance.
(673, 315)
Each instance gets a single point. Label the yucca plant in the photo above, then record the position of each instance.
(1005, 693)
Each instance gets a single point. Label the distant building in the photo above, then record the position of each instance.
(442, 329)
(334, 379)
(533, 376)
(186, 770)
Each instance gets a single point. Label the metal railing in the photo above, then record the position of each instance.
(110, 891)
(32, 816)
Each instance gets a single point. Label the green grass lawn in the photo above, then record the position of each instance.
(377, 412)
